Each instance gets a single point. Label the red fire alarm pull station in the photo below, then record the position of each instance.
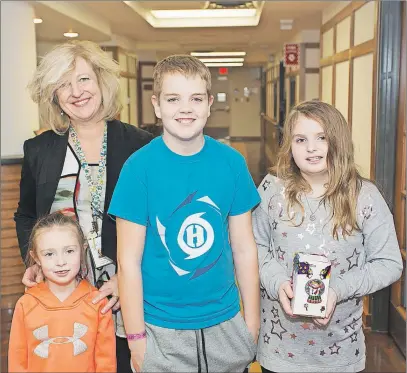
(223, 71)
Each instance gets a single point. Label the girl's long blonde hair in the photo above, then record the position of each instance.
(344, 180)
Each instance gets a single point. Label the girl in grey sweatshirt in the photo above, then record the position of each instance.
(319, 204)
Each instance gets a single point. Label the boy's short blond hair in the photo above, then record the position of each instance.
(50, 76)
(186, 65)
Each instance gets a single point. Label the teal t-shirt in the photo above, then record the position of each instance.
(184, 202)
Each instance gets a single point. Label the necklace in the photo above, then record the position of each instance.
(312, 217)
(95, 187)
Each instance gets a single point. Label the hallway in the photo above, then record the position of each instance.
(273, 56)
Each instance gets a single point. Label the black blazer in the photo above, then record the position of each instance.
(43, 162)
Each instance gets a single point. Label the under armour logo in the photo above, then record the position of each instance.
(41, 334)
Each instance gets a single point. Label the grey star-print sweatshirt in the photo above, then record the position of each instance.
(363, 263)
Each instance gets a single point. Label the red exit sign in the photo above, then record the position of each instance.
(223, 71)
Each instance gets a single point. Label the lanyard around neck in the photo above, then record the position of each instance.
(95, 187)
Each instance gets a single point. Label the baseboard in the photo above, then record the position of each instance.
(11, 160)
(367, 319)
(397, 328)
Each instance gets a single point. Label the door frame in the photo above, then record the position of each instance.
(397, 314)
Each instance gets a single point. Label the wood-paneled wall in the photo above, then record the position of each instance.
(128, 83)
(348, 74)
(12, 266)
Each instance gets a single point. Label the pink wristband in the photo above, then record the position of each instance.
(135, 337)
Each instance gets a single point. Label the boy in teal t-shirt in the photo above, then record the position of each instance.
(183, 206)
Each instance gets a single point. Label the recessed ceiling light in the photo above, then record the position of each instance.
(203, 13)
(205, 60)
(71, 34)
(218, 54)
(37, 20)
(226, 64)
(286, 27)
(286, 24)
(188, 18)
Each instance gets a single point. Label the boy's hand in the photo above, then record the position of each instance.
(330, 308)
(138, 351)
(285, 294)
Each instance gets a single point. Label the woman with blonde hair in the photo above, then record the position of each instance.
(74, 168)
(319, 204)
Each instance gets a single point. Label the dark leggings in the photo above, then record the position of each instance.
(123, 356)
(264, 370)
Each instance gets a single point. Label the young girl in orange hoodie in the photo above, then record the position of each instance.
(56, 327)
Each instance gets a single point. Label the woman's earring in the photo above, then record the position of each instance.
(62, 113)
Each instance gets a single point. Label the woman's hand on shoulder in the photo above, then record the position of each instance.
(110, 289)
(32, 276)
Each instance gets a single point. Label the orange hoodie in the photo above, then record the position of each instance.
(48, 335)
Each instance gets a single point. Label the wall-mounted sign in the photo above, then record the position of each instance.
(291, 54)
(221, 97)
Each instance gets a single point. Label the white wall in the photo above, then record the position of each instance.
(44, 47)
(333, 10)
(362, 111)
(19, 115)
(310, 36)
(306, 36)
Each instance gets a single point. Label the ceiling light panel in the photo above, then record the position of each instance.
(286, 27)
(185, 18)
(71, 34)
(205, 60)
(227, 64)
(218, 54)
(203, 13)
(286, 24)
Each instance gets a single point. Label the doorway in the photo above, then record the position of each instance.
(237, 103)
